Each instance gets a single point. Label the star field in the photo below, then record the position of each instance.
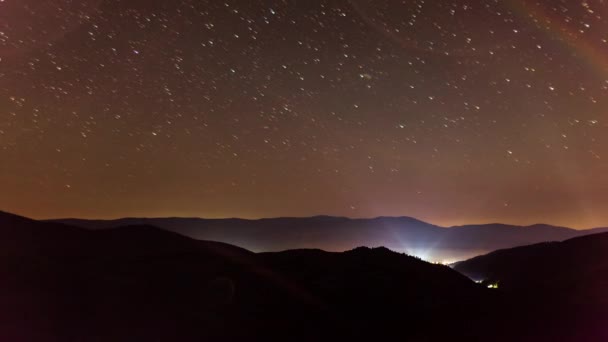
(450, 111)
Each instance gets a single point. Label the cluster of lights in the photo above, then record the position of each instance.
(489, 285)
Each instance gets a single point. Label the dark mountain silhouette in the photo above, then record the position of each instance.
(565, 283)
(141, 283)
(403, 234)
(584, 259)
(20, 235)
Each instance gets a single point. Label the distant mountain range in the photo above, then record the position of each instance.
(402, 234)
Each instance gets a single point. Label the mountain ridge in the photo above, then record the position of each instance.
(331, 217)
(335, 233)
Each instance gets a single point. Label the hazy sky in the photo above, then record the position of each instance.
(449, 111)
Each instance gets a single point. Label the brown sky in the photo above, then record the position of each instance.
(451, 112)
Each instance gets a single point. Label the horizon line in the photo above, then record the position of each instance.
(320, 215)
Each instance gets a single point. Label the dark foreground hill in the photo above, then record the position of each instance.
(403, 234)
(562, 284)
(140, 283)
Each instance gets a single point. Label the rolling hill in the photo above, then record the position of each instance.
(560, 284)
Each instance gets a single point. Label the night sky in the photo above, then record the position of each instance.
(449, 111)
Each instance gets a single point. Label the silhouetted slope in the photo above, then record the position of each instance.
(140, 283)
(20, 235)
(61, 283)
(386, 295)
(565, 283)
(572, 261)
(396, 288)
(402, 234)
